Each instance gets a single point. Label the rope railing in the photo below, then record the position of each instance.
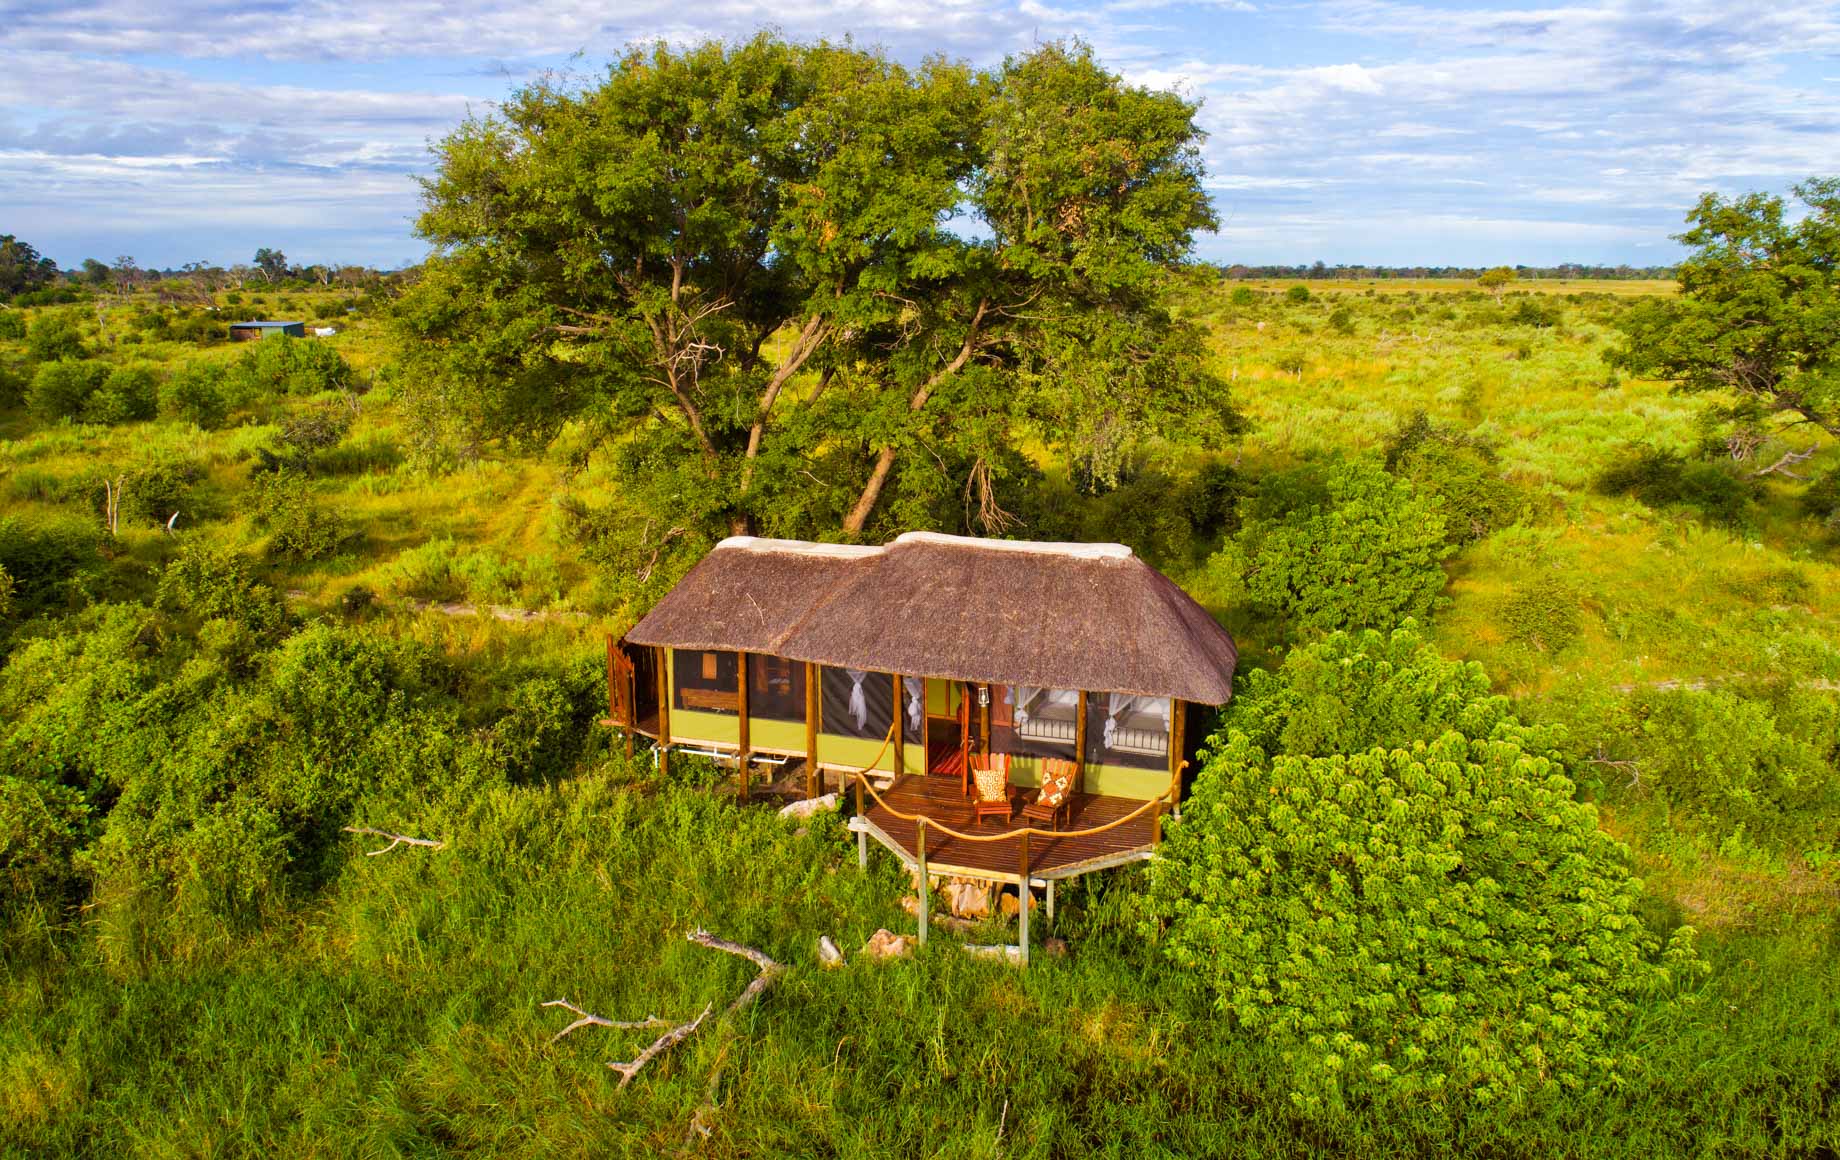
(861, 778)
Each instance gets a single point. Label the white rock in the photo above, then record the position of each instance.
(809, 806)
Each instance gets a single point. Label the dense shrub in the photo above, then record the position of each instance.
(6, 595)
(1822, 499)
(303, 435)
(129, 393)
(42, 826)
(1243, 296)
(54, 337)
(1661, 478)
(12, 325)
(156, 488)
(43, 555)
(1401, 889)
(197, 393)
(299, 526)
(1297, 293)
(291, 366)
(1542, 614)
(1339, 545)
(201, 584)
(62, 389)
(1736, 765)
(1461, 471)
(12, 387)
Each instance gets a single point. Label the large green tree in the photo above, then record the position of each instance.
(769, 274)
(22, 268)
(1758, 314)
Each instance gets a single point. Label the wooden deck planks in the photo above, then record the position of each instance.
(939, 798)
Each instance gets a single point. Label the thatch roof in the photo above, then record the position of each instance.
(1068, 616)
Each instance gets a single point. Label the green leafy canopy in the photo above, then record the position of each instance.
(1388, 873)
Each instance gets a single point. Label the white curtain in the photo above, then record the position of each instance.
(859, 709)
(915, 688)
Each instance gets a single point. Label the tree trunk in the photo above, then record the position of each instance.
(884, 462)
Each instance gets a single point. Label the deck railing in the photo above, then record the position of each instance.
(921, 821)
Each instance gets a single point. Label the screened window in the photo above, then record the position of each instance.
(705, 682)
(857, 703)
(1122, 729)
(1032, 721)
(776, 688)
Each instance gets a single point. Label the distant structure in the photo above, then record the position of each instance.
(245, 331)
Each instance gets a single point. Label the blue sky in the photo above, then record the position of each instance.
(1361, 131)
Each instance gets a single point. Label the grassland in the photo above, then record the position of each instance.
(395, 1011)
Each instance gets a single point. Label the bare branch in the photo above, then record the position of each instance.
(395, 840)
(1788, 460)
(662, 1044)
(591, 1020)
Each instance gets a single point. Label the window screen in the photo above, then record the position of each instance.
(1122, 729)
(1034, 722)
(857, 703)
(704, 681)
(776, 688)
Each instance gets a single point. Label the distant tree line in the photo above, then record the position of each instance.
(1340, 270)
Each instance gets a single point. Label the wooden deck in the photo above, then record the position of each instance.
(939, 798)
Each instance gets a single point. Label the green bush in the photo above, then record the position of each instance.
(291, 366)
(6, 595)
(1461, 472)
(156, 488)
(129, 393)
(1822, 500)
(62, 389)
(201, 584)
(43, 555)
(1543, 614)
(55, 337)
(12, 387)
(197, 394)
(1662, 478)
(1729, 764)
(12, 325)
(1243, 296)
(1411, 902)
(1297, 293)
(299, 526)
(1341, 320)
(1339, 545)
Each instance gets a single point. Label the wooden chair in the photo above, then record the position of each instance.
(990, 777)
(1055, 798)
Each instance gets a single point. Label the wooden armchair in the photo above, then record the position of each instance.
(990, 778)
(1054, 801)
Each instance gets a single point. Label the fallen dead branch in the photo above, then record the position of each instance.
(395, 840)
(770, 971)
(1789, 459)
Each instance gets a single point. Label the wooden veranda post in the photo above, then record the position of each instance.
(814, 780)
(1178, 714)
(862, 836)
(924, 886)
(1079, 745)
(1022, 900)
(741, 707)
(664, 711)
(900, 758)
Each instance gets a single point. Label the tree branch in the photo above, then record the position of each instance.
(395, 840)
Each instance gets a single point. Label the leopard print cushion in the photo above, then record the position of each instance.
(992, 784)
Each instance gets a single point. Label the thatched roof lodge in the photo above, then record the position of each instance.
(910, 661)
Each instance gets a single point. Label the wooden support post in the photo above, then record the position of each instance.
(664, 712)
(631, 673)
(862, 836)
(1178, 713)
(1079, 748)
(900, 730)
(742, 739)
(814, 779)
(613, 700)
(1050, 902)
(1022, 901)
(984, 723)
(924, 888)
